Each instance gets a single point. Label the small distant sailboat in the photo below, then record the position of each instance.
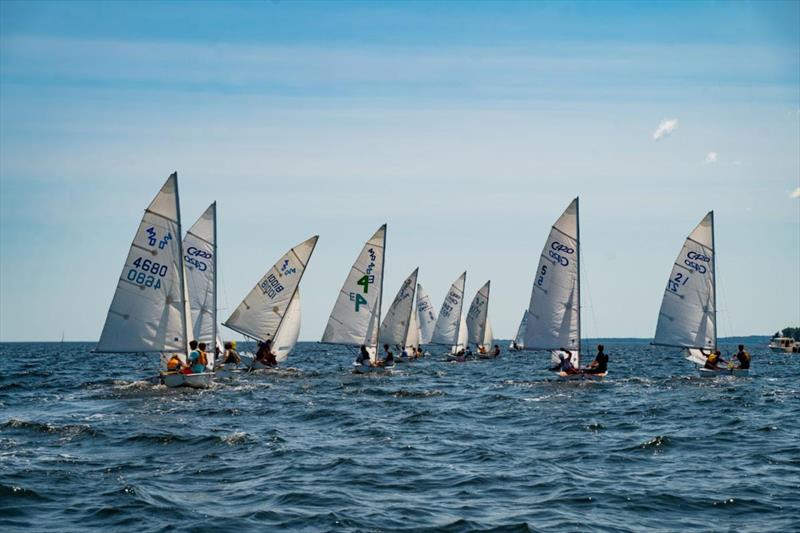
(426, 316)
(150, 311)
(519, 339)
(356, 315)
(271, 310)
(399, 327)
(478, 326)
(451, 327)
(688, 315)
(554, 316)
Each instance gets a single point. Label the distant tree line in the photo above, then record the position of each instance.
(794, 333)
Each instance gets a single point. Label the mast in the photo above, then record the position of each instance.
(714, 277)
(181, 270)
(578, 252)
(380, 295)
(216, 274)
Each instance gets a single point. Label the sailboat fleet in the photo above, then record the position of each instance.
(166, 297)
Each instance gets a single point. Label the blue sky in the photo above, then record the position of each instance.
(468, 127)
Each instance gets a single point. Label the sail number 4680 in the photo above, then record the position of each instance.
(364, 282)
(147, 273)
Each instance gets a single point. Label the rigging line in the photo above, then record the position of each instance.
(729, 325)
(589, 297)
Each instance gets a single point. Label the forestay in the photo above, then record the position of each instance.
(147, 313)
(688, 310)
(448, 324)
(356, 315)
(426, 315)
(262, 311)
(554, 311)
(200, 267)
(478, 314)
(397, 323)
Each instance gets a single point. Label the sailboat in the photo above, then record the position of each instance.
(356, 315)
(688, 315)
(554, 317)
(478, 325)
(150, 311)
(271, 310)
(519, 339)
(426, 315)
(451, 327)
(399, 327)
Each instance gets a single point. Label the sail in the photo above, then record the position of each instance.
(426, 315)
(554, 311)
(412, 338)
(488, 336)
(286, 337)
(200, 267)
(356, 314)
(147, 313)
(397, 323)
(688, 309)
(461, 340)
(449, 321)
(261, 312)
(477, 315)
(520, 337)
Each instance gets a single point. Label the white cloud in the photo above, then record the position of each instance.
(795, 193)
(665, 128)
(711, 157)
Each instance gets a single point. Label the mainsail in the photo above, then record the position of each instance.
(688, 317)
(449, 322)
(426, 315)
(147, 313)
(356, 315)
(519, 339)
(397, 323)
(200, 267)
(488, 336)
(275, 299)
(477, 315)
(554, 311)
(286, 337)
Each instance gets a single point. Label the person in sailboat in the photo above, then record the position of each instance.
(481, 349)
(231, 356)
(514, 346)
(265, 355)
(467, 351)
(565, 363)
(744, 358)
(404, 353)
(496, 351)
(388, 359)
(600, 363)
(175, 364)
(363, 356)
(713, 359)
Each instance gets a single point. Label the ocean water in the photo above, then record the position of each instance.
(86, 443)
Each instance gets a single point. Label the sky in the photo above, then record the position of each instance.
(467, 127)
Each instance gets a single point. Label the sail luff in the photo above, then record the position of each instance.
(578, 258)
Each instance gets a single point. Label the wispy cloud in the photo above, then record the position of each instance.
(666, 127)
(795, 193)
(711, 157)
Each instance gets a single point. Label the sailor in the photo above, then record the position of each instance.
(467, 351)
(194, 356)
(174, 364)
(712, 359)
(744, 358)
(564, 363)
(514, 346)
(496, 351)
(481, 349)
(200, 363)
(405, 354)
(231, 356)
(388, 359)
(363, 356)
(265, 355)
(600, 363)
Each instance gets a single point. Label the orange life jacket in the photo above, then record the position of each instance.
(174, 363)
(203, 360)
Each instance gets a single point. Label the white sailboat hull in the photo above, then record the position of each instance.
(195, 381)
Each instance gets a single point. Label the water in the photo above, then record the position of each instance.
(86, 443)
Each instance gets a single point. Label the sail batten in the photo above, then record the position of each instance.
(553, 317)
(147, 312)
(689, 321)
(355, 317)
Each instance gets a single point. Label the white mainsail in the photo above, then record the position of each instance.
(397, 323)
(147, 313)
(356, 315)
(448, 324)
(286, 337)
(426, 315)
(488, 336)
(554, 311)
(263, 311)
(462, 339)
(412, 338)
(519, 339)
(478, 314)
(200, 267)
(688, 315)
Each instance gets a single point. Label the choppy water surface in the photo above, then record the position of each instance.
(86, 443)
